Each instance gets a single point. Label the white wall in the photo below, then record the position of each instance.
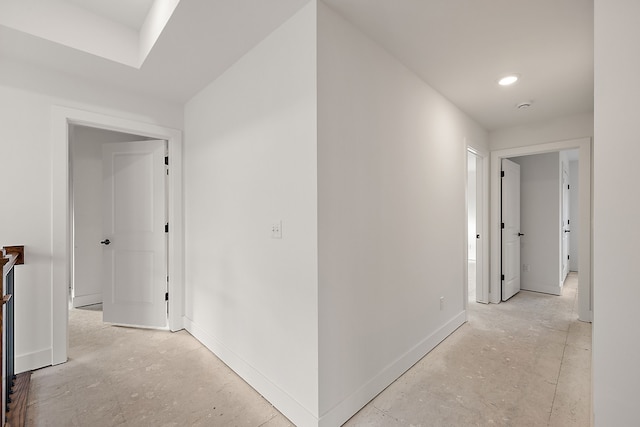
(574, 210)
(560, 129)
(86, 163)
(391, 188)
(26, 99)
(539, 221)
(616, 342)
(250, 161)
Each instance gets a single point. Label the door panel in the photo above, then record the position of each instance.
(565, 229)
(134, 260)
(511, 229)
(475, 223)
(479, 233)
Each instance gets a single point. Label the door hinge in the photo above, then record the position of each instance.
(166, 228)
(501, 174)
(568, 256)
(568, 187)
(568, 221)
(502, 225)
(166, 296)
(166, 160)
(502, 277)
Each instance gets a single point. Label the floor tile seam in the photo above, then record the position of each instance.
(268, 421)
(114, 391)
(555, 391)
(578, 347)
(549, 328)
(385, 413)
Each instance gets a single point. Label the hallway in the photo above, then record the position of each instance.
(522, 363)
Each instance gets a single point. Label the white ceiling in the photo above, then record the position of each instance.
(202, 39)
(459, 47)
(462, 47)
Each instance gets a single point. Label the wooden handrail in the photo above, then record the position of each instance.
(11, 255)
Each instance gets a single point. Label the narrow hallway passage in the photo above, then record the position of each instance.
(526, 362)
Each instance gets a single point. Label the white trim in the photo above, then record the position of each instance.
(585, 285)
(60, 240)
(339, 414)
(84, 300)
(26, 362)
(280, 399)
(351, 404)
(545, 289)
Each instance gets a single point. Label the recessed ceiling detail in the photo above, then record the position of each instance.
(120, 31)
(130, 13)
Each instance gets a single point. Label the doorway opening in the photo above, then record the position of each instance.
(536, 226)
(475, 259)
(85, 192)
(62, 118)
(118, 216)
(579, 227)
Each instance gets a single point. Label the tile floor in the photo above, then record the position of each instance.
(523, 363)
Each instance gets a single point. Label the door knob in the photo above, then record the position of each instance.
(567, 231)
(520, 234)
(477, 236)
(105, 242)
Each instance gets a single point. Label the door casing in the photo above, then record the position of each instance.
(62, 117)
(585, 285)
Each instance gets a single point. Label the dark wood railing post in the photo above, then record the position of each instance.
(11, 256)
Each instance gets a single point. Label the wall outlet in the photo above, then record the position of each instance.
(526, 268)
(276, 230)
(441, 303)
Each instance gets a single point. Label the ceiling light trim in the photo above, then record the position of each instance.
(508, 79)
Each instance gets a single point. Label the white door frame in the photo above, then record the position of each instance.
(585, 285)
(62, 117)
(482, 289)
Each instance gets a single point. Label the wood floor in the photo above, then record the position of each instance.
(16, 416)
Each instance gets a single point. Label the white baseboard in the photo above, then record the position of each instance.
(31, 361)
(351, 404)
(354, 402)
(545, 289)
(82, 300)
(291, 409)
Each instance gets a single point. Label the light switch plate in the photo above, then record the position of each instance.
(276, 230)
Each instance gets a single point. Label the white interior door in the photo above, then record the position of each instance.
(479, 235)
(565, 229)
(134, 272)
(510, 229)
(475, 222)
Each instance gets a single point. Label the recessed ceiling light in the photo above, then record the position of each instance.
(508, 80)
